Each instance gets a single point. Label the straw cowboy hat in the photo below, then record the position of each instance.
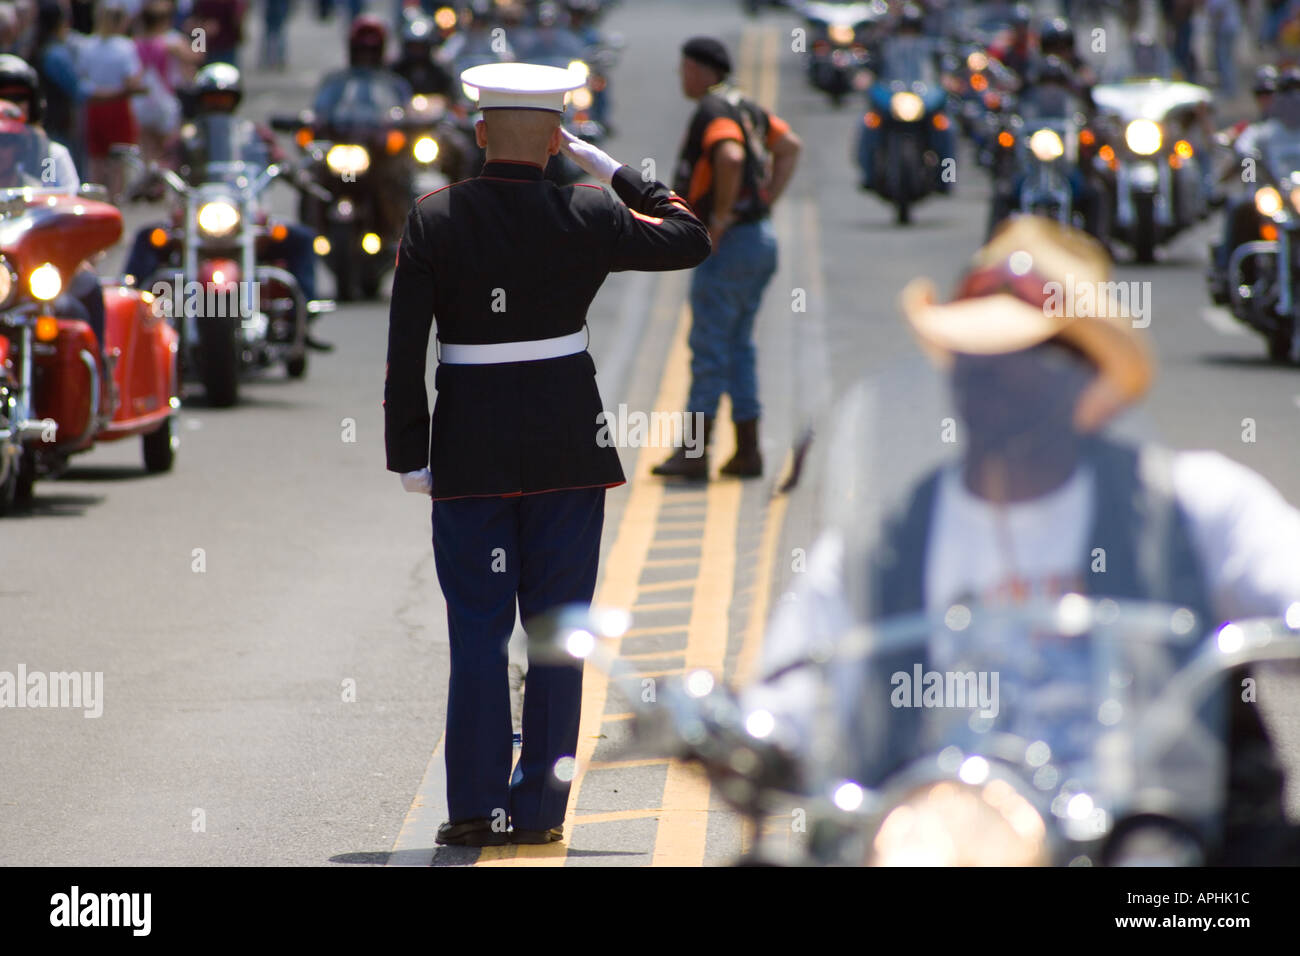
(1033, 281)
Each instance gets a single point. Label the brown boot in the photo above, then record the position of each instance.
(680, 465)
(748, 461)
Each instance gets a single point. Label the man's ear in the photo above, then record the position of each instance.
(557, 140)
(480, 134)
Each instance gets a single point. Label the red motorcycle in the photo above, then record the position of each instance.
(56, 399)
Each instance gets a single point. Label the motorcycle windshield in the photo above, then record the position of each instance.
(230, 148)
(974, 550)
(363, 103)
(909, 61)
(1281, 151)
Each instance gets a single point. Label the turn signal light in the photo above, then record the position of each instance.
(47, 328)
(1268, 231)
(302, 137)
(1183, 149)
(279, 231)
(979, 82)
(1086, 137)
(871, 120)
(1006, 140)
(1107, 155)
(396, 141)
(158, 238)
(940, 121)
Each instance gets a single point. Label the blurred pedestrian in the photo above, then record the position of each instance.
(56, 65)
(111, 74)
(274, 49)
(223, 23)
(1223, 18)
(724, 173)
(166, 56)
(1178, 22)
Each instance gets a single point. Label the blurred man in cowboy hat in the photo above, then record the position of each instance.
(1038, 492)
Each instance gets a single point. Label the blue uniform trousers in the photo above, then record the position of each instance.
(540, 550)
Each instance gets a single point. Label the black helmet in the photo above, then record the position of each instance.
(1266, 80)
(18, 80)
(1056, 36)
(419, 27)
(367, 36)
(214, 80)
(1289, 80)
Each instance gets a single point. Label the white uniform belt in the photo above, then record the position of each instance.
(499, 352)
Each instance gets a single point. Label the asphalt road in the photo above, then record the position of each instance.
(267, 618)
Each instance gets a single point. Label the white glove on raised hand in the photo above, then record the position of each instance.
(593, 161)
(418, 482)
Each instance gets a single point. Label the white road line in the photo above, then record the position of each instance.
(1221, 320)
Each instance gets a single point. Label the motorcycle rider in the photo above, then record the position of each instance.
(218, 89)
(907, 53)
(1056, 39)
(1017, 51)
(1053, 94)
(416, 64)
(20, 85)
(362, 94)
(1038, 487)
(1239, 217)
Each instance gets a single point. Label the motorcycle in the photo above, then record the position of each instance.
(235, 311)
(55, 401)
(365, 161)
(901, 151)
(837, 62)
(1153, 174)
(1047, 723)
(1263, 275)
(1041, 163)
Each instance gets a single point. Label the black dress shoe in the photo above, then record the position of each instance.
(471, 833)
(318, 345)
(553, 835)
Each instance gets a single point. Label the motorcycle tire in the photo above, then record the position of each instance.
(343, 261)
(903, 210)
(160, 448)
(296, 367)
(218, 361)
(26, 478)
(1144, 229)
(9, 490)
(1279, 344)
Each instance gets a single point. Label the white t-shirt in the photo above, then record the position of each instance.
(1246, 534)
(106, 63)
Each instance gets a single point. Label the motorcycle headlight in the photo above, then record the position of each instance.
(425, 149)
(1046, 145)
(953, 824)
(1143, 136)
(579, 68)
(1268, 201)
(45, 282)
(841, 34)
(582, 98)
(8, 285)
(977, 62)
(1295, 198)
(218, 218)
(907, 107)
(346, 160)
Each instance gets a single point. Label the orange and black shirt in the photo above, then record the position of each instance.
(723, 114)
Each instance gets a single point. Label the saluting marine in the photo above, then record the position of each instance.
(507, 265)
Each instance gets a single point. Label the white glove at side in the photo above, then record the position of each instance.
(418, 482)
(593, 161)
